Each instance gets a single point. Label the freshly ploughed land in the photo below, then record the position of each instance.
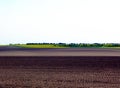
(59, 72)
(59, 68)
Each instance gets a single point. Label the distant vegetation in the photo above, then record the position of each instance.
(38, 45)
(65, 45)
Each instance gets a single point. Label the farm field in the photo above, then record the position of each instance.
(39, 46)
(59, 68)
(59, 72)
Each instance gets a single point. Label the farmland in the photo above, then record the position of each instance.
(39, 46)
(59, 72)
(59, 67)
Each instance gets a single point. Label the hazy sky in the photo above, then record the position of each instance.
(67, 21)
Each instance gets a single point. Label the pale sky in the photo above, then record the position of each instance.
(78, 21)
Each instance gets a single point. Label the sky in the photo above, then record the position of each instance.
(68, 21)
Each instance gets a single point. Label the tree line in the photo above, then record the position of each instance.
(79, 44)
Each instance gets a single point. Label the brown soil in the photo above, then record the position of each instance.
(60, 72)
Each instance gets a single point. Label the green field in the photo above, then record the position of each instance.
(39, 46)
(3, 45)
